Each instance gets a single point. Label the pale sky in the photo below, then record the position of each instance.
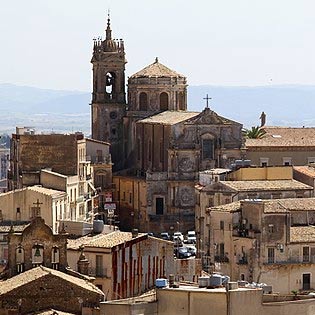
(48, 44)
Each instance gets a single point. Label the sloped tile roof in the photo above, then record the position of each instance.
(169, 117)
(102, 240)
(39, 272)
(284, 137)
(229, 207)
(266, 185)
(50, 312)
(289, 204)
(5, 228)
(302, 234)
(306, 170)
(156, 69)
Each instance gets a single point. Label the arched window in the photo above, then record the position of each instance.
(109, 84)
(37, 255)
(143, 101)
(55, 258)
(164, 101)
(19, 259)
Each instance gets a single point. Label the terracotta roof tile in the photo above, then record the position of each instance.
(284, 137)
(156, 69)
(169, 117)
(302, 234)
(229, 207)
(39, 272)
(306, 170)
(285, 205)
(102, 240)
(266, 185)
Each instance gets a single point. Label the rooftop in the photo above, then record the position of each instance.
(169, 117)
(284, 137)
(102, 240)
(266, 185)
(285, 205)
(302, 234)
(156, 69)
(39, 272)
(306, 170)
(229, 207)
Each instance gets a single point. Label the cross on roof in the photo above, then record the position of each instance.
(207, 98)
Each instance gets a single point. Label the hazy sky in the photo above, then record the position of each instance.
(48, 44)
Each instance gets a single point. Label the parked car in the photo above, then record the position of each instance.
(165, 236)
(178, 236)
(192, 249)
(182, 252)
(191, 237)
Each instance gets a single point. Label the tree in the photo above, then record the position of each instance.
(254, 133)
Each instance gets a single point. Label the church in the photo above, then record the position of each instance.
(158, 147)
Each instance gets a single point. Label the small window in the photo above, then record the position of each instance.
(211, 203)
(271, 228)
(221, 225)
(271, 255)
(306, 254)
(164, 101)
(159, 205)
(287, 161)
(264, 162)
(161, 152)
(143, 101)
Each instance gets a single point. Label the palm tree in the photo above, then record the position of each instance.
(254, 133)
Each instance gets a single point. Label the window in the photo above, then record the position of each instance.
(99, 271)
(306, 254)
(163, 101)
(271, 228)
(286, 161)
(181, 101)
(143, 101)
(207, 149)
(130, 197)
(310, 160)
(211, 203)
(159, 205)
(264, 162)
(221, 225)
(55, 258)
(271, 255)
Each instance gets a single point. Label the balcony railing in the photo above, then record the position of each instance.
(98, 272)
(221, 259)
(292, 260)
(98, 159)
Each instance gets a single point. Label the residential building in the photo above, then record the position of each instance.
(22, 205)
(282, 146)
(124, 264)
(268, 241)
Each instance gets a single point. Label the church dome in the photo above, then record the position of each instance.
(156, 70)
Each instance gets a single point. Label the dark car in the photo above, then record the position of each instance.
(165, 236)
(182, 252)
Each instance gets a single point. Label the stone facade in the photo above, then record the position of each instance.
(162, 143)
(41, 289)
(36, 246)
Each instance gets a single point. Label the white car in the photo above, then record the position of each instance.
(191, 237)
(178, 236)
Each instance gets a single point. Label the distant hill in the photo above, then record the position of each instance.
(69, 111)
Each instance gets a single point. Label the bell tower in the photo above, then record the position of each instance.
(108, 98)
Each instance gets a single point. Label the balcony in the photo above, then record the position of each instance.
(221, 259)
(291, 260)
(98, 272)
(98, 159)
